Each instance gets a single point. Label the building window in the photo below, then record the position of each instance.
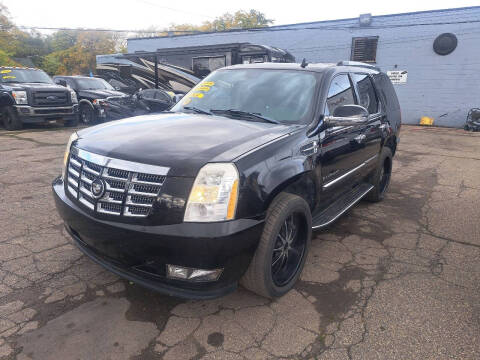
(364, 49)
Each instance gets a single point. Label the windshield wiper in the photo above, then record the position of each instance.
(197, 110)
(244, 114)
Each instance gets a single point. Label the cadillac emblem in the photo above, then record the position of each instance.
(98, 188)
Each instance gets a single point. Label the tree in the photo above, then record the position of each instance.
(239, 20)
(62, 40)
(81, 57)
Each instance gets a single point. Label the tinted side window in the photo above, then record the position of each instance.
(340, 93)
(390, 94)
(366, 92)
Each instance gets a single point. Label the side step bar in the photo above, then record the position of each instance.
(340, 206)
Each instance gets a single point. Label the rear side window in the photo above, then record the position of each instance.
(384, 85)
(366, 92)
(340, 93)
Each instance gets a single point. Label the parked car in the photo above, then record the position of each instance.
(473, 120)
(228, 186)
(90, 93)
(29, 95)
(140, 103)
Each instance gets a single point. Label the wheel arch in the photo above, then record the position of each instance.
(86, 102)
(6, 100)
(302, 184)
(391, 142)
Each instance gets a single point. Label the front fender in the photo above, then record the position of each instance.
(267, 180)
(6, 99)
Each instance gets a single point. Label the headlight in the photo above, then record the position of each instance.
(73, 96)
(20, 97)
(214, 194)
(73, 137)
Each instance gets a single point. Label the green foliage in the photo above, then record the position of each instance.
(6, 60)
(239, 20)
(61, 40)
(51, 64)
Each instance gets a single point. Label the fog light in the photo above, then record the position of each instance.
(189, 274)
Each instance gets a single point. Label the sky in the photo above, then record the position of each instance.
(142, 14)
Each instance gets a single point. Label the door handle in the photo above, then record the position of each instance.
(360, 138)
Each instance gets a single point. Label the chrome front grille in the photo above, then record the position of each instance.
(129, 188)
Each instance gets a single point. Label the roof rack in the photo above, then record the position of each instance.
(358, 64)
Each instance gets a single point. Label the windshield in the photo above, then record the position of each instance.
(24, 76)
(281, 95)
(93, 84)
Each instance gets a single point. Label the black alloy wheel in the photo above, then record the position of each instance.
(289, 250)
(11, 120)
(87, 115)
(385, 175)
(283, 247)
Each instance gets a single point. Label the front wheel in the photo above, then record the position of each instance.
(87, 114)
(11, 120)
(283, 247)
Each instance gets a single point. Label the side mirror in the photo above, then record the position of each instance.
(61, 82)
(348, 115)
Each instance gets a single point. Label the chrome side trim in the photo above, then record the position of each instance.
(120, 164)
(348, 173)
(344, 210)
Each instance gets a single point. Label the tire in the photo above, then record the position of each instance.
(87, 114)
(263, 275)
(11, 120)
(381, 176)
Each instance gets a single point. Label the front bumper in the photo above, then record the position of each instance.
(140, 253)
(30, 114)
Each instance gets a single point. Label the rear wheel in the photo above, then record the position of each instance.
(11, 120)
(381, 177)
(283, 247)
(87, 114)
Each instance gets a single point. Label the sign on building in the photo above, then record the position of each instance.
(398, 76)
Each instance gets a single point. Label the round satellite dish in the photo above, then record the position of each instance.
(445, 43)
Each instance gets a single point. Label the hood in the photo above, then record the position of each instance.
(99, 94)
(182, 142)
(33, 86)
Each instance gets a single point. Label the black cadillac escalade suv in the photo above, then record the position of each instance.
(30, 96)
(228, 186)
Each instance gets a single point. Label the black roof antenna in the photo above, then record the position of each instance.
(304, 63)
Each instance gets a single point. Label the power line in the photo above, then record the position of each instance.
(278, 28)
(3, 27)
(173, 9)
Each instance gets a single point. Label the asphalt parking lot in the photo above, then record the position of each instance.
(394, 280)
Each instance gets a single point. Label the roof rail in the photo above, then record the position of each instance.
(358, 64)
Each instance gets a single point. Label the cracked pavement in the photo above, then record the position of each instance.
(395, 280)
